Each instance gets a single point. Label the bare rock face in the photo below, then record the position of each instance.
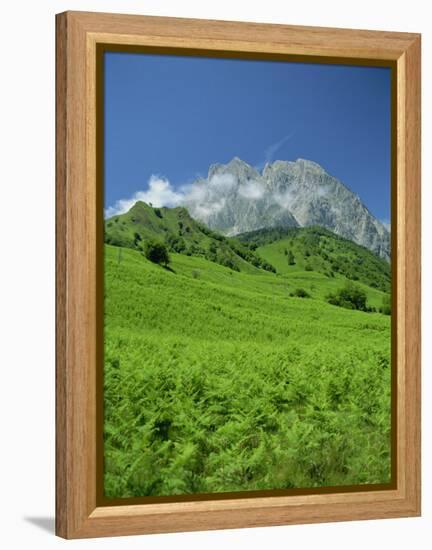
(236, 198)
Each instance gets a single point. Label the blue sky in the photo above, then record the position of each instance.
(167, 118)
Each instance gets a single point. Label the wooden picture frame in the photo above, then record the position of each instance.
(79, 299)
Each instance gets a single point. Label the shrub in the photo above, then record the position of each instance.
(195, 250)
(156, 252)
(290, 258)
(213, 247)
(228, 262)
(386, 305)
(137, 239)
(268, 267)
(300, 293)
(350, 296)
(175, 243)
(158, 212)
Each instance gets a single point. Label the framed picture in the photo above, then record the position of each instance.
(238, 275)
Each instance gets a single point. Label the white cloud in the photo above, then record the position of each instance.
(222, 182)
(159, 192)
(204, 199)
(252, 190)
(208, 197)
(283, 199)
(204, 211)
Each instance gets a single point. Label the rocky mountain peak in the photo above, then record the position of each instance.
(286, 193)
(237, 167)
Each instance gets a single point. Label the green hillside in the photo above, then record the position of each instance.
(293, 250)
(221, 380)
(181, 234)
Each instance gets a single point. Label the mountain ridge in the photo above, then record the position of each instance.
(284, 250)
(180, 233)
(236, 198)
(314, 248)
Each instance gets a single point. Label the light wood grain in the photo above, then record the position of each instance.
(78, 33)
(245, 36)
(62, 450)
(412, 263)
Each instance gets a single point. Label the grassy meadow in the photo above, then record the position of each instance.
(219, 378)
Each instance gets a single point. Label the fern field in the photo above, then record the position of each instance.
(217, 380)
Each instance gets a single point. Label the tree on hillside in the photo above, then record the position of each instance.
(175, 243)
(300, 293)
(156, 252)
(137, 239)
(290, 258)
(213, 247)
(386, 305)
(350, 296)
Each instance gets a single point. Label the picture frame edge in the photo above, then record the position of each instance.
(77, 515)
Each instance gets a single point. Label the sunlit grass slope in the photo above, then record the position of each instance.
(317, 249)
(218, 380)
(180, 233)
